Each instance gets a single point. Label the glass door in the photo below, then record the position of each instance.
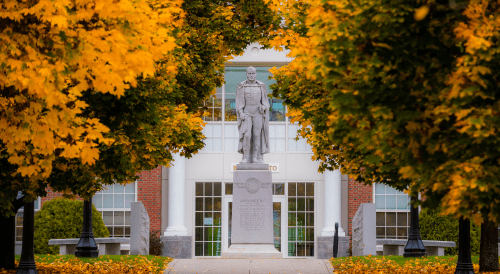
(279, 224)
(226, 227)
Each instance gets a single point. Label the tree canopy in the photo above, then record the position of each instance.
(95, 92)
(401, 92)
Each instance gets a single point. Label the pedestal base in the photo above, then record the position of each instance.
(325, 247)
(252, 251)
(177, 247)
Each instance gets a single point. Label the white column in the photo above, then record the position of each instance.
(333, 203)
(176, 197)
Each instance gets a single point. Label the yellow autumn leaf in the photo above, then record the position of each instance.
(421, 13)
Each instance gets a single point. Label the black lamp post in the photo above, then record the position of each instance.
(27, 264)
(336, 241)
(464, 262)
(414, 247)
(86, 247)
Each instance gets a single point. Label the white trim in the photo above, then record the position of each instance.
(136, 190)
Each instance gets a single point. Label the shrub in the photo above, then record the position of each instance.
(155, 243)
(63, 219)
(445, 228)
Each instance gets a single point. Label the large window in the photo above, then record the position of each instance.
(221, 131)
(236, 75)
(208, 213)
(301, 219)
(393, 213)
(114, 205)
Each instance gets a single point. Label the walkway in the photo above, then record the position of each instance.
(250, 266)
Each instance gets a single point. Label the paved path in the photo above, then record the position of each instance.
(250, 266)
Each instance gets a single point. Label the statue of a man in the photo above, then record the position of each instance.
(252, 108)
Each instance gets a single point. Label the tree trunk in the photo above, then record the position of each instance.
(488, 253)
(7, 241)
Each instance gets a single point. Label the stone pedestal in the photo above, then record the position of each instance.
(252, 216)
(363, 231)
(139, 230)
(177, 247)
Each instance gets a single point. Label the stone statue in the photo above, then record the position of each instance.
(252, 107)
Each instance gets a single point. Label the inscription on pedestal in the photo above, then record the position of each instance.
(253, 212)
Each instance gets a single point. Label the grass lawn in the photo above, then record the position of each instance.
(105, 263)
(398, 264)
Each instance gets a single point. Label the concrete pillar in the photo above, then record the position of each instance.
(176, 197)
(333, 203)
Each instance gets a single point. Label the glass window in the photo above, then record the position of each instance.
(296, 145)
(277, 138)
(229, 188)
(233, 76)
(277, 225)
(231, 137)
(230, 107)
(114, 203)
(221, 107)
(277, 110)
(301, 219)
(213, 107)
(208, 212)
(213, 137)
(393, 213)
(278, 188)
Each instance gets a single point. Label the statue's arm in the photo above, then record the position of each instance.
(240, 100)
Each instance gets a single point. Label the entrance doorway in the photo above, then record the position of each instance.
(293, 218)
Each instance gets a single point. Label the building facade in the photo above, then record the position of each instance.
(190, 202)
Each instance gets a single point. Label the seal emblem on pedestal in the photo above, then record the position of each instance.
(252, 185)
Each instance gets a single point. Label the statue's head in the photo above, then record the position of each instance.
(251, 73)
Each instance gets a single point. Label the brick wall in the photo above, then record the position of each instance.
(51, 195)
(149, 193)
(358, 194)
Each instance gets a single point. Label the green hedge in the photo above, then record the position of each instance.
(63, 219)
(445, 228)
